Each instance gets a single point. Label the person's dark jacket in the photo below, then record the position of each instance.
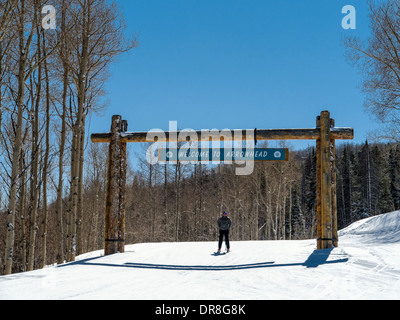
(224, 223)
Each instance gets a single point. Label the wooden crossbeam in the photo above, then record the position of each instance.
(226, 135)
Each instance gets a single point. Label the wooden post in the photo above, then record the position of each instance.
(122, 192)
(318, 190)
(335, 237)
(325, 240)
(115, 208)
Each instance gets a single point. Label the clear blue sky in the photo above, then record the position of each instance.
(237, 64)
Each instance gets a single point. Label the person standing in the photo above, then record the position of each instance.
(224, 225)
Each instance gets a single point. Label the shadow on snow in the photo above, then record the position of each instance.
(317, 258)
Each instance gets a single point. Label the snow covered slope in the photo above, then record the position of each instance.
(365, 266)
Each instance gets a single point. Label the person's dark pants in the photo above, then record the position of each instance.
(222, 234)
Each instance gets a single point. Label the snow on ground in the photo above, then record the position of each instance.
(365, 266)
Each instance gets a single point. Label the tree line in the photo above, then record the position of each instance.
(50, 81)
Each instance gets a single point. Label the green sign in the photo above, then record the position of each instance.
(222, 154)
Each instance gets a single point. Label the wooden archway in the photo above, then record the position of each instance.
(325, 133)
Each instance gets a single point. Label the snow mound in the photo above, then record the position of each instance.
(384, 228)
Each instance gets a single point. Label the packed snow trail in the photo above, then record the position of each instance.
(365, 266)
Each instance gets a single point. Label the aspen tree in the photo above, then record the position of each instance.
(25, 35)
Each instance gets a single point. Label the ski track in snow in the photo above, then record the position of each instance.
(365, 266)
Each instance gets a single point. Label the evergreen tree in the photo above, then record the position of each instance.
(394, 175)
(382, 197)
(344, 187)
(365, 177)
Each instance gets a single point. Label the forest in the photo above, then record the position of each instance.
(53, 180)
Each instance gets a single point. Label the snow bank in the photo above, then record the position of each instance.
(384, 228)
